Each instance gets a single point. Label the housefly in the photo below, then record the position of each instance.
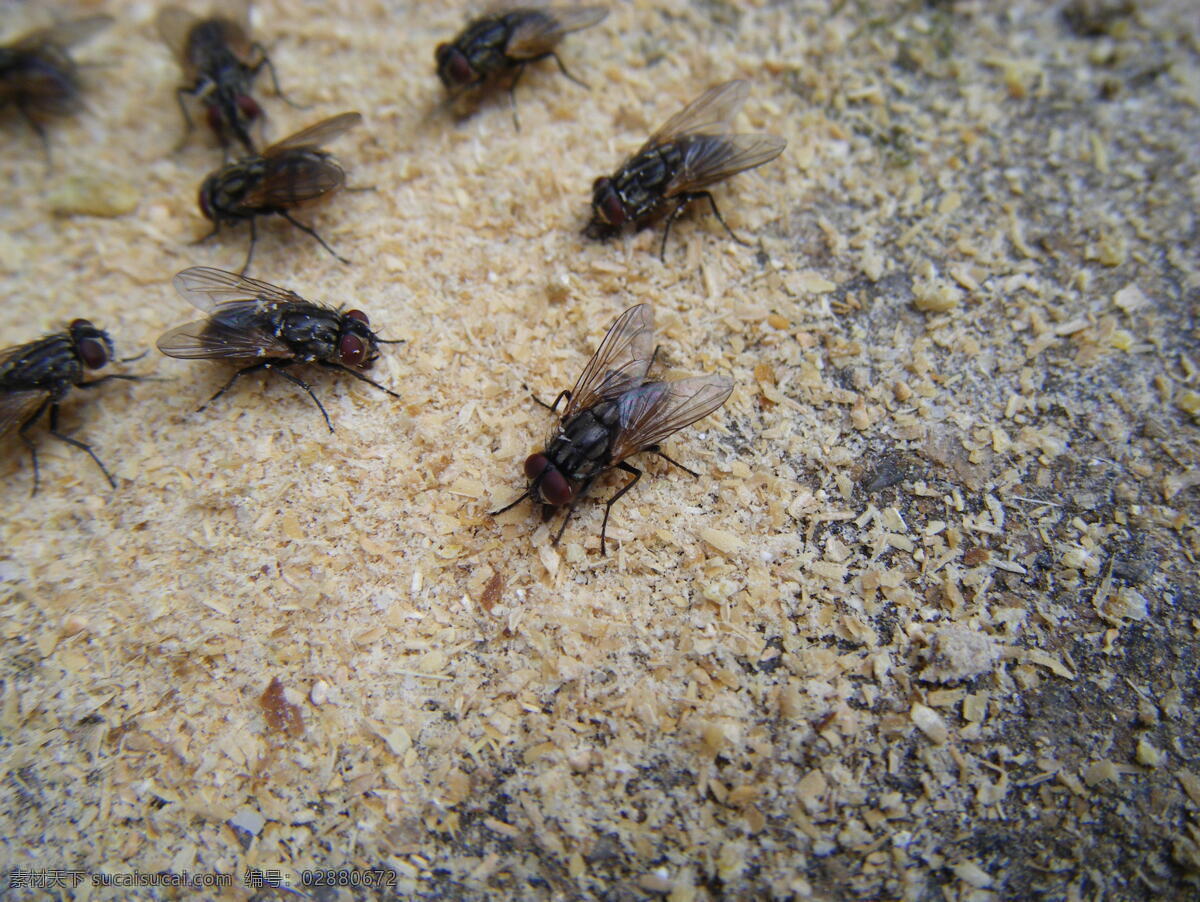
(37, 376)
(287, 174)
(505, 41)
(693, 150)
(220, 63)
(38, 76)
(267, 328)
(612, 413)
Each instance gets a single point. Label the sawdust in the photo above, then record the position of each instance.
(925, 625)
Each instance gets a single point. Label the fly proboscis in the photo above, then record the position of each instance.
(695, 149)
(284, 176)
(262, 327)
(613, 412)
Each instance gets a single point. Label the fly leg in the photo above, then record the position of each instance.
(637, 474)
(188, 125)
(512, 95)
(82, 446)
(525, 494)
(311, 231)
(265, 60)
(39, 129)
(566, 517)
(684, 200)
(304, 385)
(357, 375)
(29, 443)
(565, 393)
(654, 449)
(213, 234)
(671, 217)
(712, 201)
(128, 377)
(548, 512)
(232, 379)
(250, 250)
(563, 69)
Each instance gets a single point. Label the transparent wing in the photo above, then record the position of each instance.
(619, 364)
(17, 406)
(294, 178)
(174, 26)
(236, 12)
(219, 339)
(709, 159)
(653, 411)
(65, 34)
(709, 114)
(212, 290)
(541, 30)
(315, 135)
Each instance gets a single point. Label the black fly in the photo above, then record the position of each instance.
(38, 76)
(36, 377)
(220, 62)
(506, 41)
(267, 328)
(693, 150)
(285, 175)
(613, 413)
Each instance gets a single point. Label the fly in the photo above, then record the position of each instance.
(37, 376)
(285, 175)
(38, 76)
(505, 42)
(220, 62)
(263, 327)
(693, 150)
(612, 413)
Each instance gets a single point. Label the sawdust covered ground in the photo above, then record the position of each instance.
(926, 624)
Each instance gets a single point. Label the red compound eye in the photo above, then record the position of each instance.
(611, 208)
(205, 201)
(215, 120)
(535, 464)
(352, 350)
(358, 315)
(248, 107)
(453, 67)
(554, 488)
(93, 353)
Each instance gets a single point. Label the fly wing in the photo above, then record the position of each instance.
(652, 412)
(65, 34)
(213, 290)
(294, 178)
(709, 114)
(228, 335)
(174, 27)
(709, 159)
(17, 406)
(315, 135)
(619, 364)
(235, 12)
(541, 30)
